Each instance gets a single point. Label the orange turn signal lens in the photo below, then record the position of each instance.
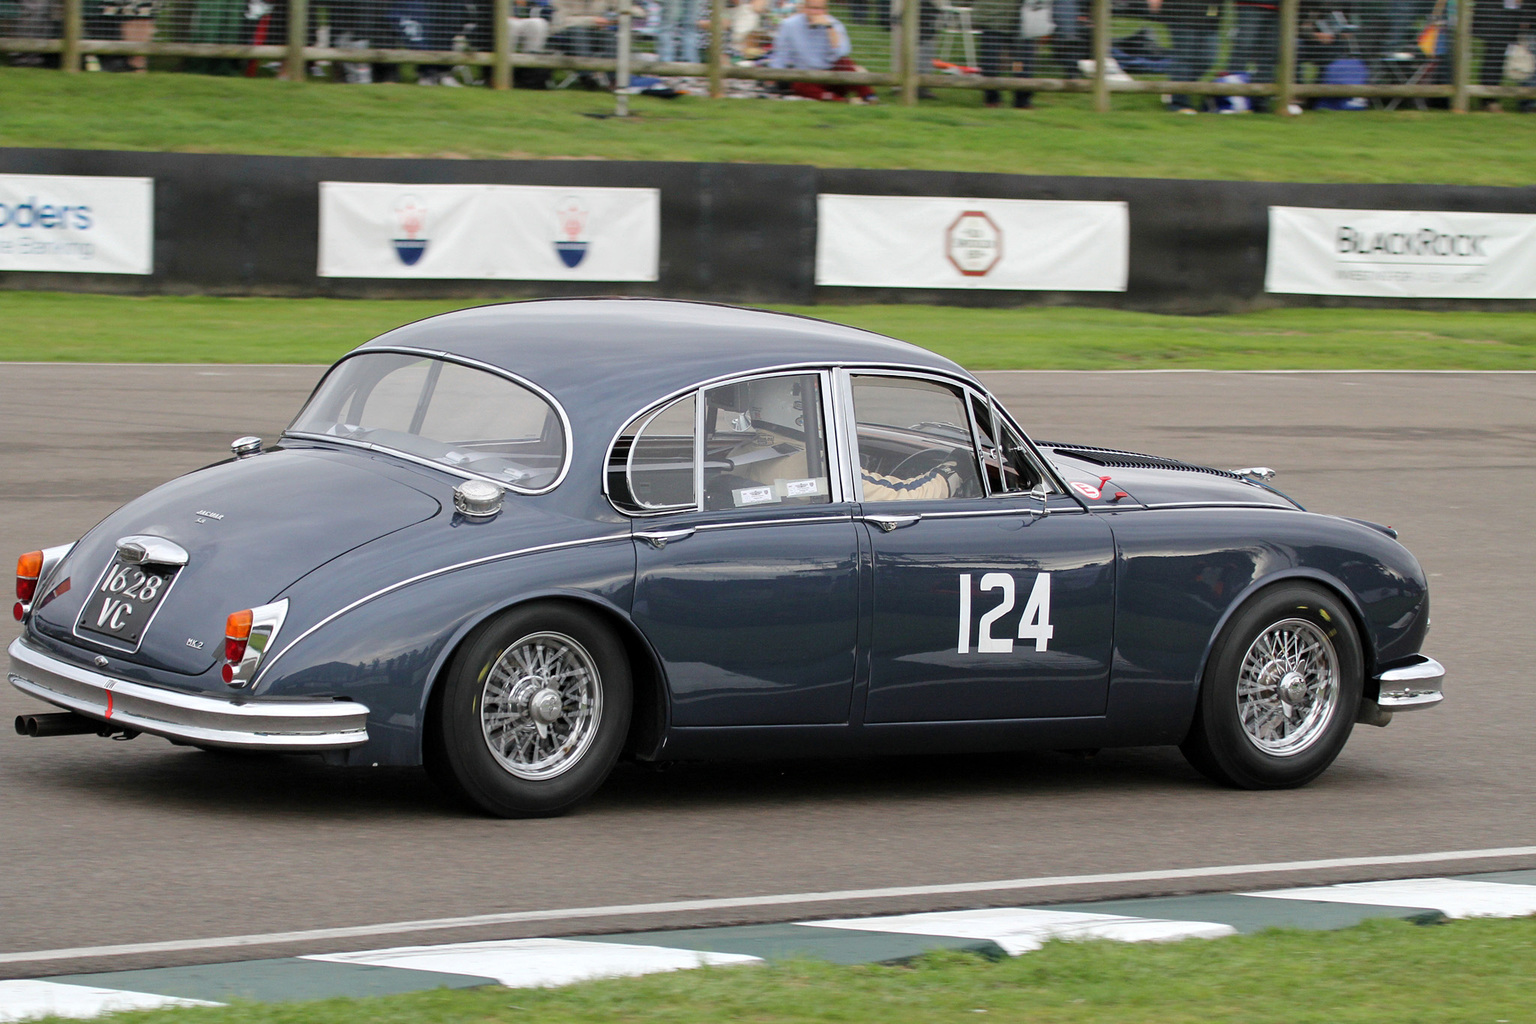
(28, 568)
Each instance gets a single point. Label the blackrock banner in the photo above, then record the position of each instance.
(1401, 254)
(77, 224)
(941, 242)
(489, 232)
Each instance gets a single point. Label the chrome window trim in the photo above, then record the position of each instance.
(787, 520)
(629, 460)
(830, 431)
(195, 718)
(381, 592)
(568, 436)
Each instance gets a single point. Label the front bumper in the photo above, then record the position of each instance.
(1409, 687)
(190, 718)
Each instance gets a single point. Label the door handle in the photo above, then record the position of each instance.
(889, 523)
(659, 539)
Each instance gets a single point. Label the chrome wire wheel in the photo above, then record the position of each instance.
(1288, 687)
(541, 705)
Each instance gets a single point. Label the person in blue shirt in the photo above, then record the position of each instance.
(815, 40)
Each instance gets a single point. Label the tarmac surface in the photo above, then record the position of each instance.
(106, 843)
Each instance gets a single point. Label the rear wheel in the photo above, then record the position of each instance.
(532, 714)
(1280, 693)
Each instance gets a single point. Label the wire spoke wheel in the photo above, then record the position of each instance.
(541, 705)
(1288, 687)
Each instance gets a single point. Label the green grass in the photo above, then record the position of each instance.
(1383, 972)
(49, 326)
(193, 113)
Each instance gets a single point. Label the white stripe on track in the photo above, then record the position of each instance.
(25, 1000)
(1453, 897)
(1021, 930)
(742, 902)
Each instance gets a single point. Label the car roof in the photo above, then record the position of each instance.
(589, 352)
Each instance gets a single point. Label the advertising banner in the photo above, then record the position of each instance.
(1401, 253)
(489, 232)
(77, 224)
(942, 242)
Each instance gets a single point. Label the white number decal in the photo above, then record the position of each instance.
(1035, 624)
(986, 643)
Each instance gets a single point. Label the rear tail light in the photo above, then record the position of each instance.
(28, 568)
(247, 637)
(32, 569)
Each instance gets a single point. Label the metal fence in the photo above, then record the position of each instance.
(1228, 55)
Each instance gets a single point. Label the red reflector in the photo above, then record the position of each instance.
(229, 673)
(19, 610)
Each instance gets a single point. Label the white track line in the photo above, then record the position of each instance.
(740, 902)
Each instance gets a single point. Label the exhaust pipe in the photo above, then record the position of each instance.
(67, 723)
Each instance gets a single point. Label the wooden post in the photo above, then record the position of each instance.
(1100, 55)
(716, 49)
(298, 34)
(501, 45)
(1285, 70)
(74, 24)
(1461, 67)
(911, 23)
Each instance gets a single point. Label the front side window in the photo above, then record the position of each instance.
(914, 439)
(459, 416)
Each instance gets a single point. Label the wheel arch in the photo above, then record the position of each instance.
(649, 714)
(1297, 574)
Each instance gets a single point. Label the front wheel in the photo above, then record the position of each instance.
(532, 714)
(1281, 692)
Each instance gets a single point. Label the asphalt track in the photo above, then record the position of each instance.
(119, 844)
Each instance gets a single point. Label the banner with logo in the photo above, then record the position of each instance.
(77, 224)
(489, 232)
(939, 242)
(1401, 253)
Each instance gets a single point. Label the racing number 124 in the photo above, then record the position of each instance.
(1034, 624)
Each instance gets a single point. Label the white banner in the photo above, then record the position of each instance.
(76, 224)
(489, 232)
(941, 242)
(1401, 253)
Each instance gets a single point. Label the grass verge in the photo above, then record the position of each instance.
(1382, 972)
(194, 113)
(67, 327)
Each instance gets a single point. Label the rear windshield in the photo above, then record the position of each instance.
(467, 419)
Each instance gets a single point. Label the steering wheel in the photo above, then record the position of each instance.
(918, 463)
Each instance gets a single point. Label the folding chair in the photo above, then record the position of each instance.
(955, 23)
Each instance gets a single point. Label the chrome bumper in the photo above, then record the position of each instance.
(191, 718)
(1411, 687)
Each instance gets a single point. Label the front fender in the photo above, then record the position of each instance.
(386, 651)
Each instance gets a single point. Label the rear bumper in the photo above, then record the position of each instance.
(190, 718)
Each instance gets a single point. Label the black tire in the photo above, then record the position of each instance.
(1282, 723)
(497, 739)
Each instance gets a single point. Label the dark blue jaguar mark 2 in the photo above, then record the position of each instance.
(518, 542)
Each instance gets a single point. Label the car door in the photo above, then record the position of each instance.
(747, 579)
(992, 591)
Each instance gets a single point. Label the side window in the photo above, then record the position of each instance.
(1004, 458)
(653, 462)
(914, 440)
(765, 443)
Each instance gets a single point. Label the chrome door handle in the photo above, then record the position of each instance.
(659, 539)
(889, 523)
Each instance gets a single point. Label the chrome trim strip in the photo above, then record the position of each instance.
(1071, 510)
(1202, 504)
(213, 721)
(789, 520)
(267, 667)
(1411, 687)
(565, 421)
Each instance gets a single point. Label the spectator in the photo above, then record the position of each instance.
(1257, 44)
(1497, 24)
(677, 37)
(584, 28)
(815, 40)
(1194, 26)
(528, 31)
(1000, 50)
(750, 37)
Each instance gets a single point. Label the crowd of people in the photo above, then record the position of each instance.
(1346, 42)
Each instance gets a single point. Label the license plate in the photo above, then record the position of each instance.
(124, 602)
